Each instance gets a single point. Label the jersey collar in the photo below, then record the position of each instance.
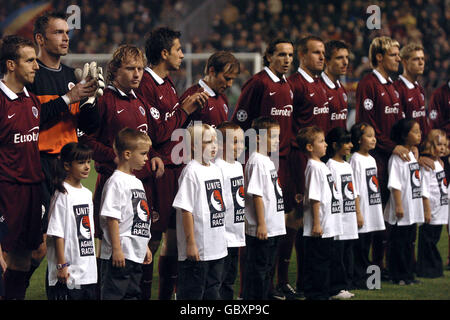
(328, 81)
(210, 91)
(157, 78)
(9, 93)
(122, 94)
(381, 78)
(273, 76)
(408, 83)
(305, 75)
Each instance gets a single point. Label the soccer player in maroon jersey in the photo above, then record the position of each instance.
(378, 104)
(56, 86)
(21, 175)
(164, 55)
(336, 63)
(220, 71)
(310, 108)
(268, 93)
(412, 94)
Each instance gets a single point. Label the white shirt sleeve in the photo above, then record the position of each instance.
(256, 178)
(111, 201)
(186, 196)
(57, 215)
(395, 174)
(316, 184)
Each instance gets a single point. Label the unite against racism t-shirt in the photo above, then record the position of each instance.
(200, 192)
(71, 218)
(435, 188)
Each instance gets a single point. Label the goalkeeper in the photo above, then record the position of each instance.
(71, 100)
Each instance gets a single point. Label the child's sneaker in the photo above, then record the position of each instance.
(342, 295)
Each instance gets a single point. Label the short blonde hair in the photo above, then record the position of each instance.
(128, 139)
(407, 51)
(196, 132)
(430, 142)
(380, 45)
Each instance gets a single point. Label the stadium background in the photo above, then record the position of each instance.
(245, 27)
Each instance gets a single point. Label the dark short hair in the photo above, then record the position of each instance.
(9, 49)
(357, 132)
(338, 135)
(272, 47)
(42, 21)
(158, 40)
(401, 129)
(223, 61)
(302, 45)
(332, 45)
(264, 123)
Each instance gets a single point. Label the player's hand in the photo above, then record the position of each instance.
(317, 230)
(261, 231)
(402, 152)
(426, 162)
(118, 259)
(91, 74)
(148, 257)
(192, 103)
(157, 166)
(63, 275)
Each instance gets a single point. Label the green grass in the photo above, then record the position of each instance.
(428, 289)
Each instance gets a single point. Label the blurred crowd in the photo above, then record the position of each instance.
(247, 26)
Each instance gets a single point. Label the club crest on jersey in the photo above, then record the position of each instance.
(35, 111)
(433, 114)
(155, 113)
(142, 110)
(368, 104)
(70, 85)
(241, 115)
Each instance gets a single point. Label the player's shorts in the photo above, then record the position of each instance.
(21, 205)
(284, 176)
(48, 164)
(382, 161)
(297, 162)
(166, 189)
(97, 202)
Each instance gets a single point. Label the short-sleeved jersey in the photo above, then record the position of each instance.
(343, 176)
(161, 95)
(124, 199)
(265, 94)
(19, 133)
(262, 180)
(50, 84)
(71, 218)
(439, 108)
(200, 192)
(412, 98)
(378, 104)
(234, 198)
(435, 189)
(405, 177)
(337, 102)
(320, 186)
(216, 109)
(311, 106)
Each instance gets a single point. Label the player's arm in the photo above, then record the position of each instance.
(249, 102)
(118, 258)
(89, 119)
(188, 227)
(316, 228)
(261, 228)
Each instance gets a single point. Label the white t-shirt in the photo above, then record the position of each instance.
(366, 182)
(71, 218)
(343, 176)
(320, 186)
(405, 177)
(234, 198)
(200, 192)
(124, 199)
(262, 180)
(435, 188)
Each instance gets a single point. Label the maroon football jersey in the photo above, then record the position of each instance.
(378, 104)
(311, 106)
(19, 133)
(412, 99)
(160, 94)
(216, 109)
(439, 108)
(265, 94)
(337, 102)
